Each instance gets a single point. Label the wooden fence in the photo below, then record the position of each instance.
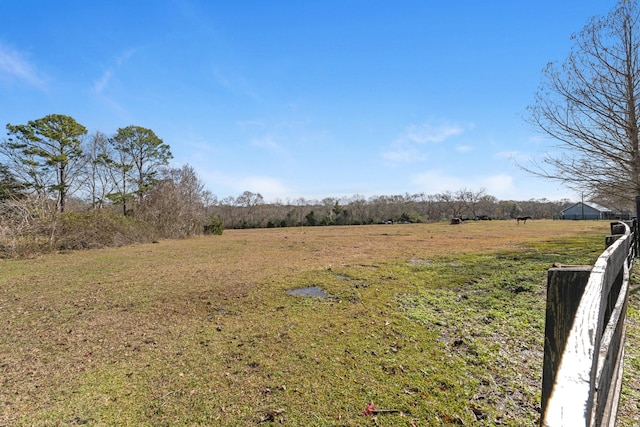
(585, 334)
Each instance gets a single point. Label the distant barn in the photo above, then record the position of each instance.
(587, 210)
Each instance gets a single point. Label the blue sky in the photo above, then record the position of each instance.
(299, 98)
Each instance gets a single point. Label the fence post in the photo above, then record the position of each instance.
(565, 286)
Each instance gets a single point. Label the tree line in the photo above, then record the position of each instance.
(249, 210)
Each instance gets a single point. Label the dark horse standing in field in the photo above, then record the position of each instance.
(523, 219)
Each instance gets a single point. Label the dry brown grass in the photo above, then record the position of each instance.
(203, 332)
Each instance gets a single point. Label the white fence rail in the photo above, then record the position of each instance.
(585, 334)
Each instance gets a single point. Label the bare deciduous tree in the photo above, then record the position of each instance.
(99, 158)
(454, 206)
(175, 205)
(250, 203)
(471, 199)
(591, 106)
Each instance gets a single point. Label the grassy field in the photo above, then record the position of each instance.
(430, 324)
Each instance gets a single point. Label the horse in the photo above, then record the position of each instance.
(523, 219)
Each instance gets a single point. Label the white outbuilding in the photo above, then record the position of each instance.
(586, 210)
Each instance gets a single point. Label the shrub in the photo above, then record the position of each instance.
(214, 226)
(99, 228)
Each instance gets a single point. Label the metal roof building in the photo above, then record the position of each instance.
(586, 210)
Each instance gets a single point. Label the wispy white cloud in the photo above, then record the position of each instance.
(251, 123)
(519, 157)
(464, 148)
(437, 181)
(499, 185)
(266, 142)
(232, 184)
(506, 186)
(103, 82)
(429, 132)
(406, 147)
(237, 84)
(222, 79)
(13, 66)
(402, 153)
(125, 56)
(269, 144)
(270, 188)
